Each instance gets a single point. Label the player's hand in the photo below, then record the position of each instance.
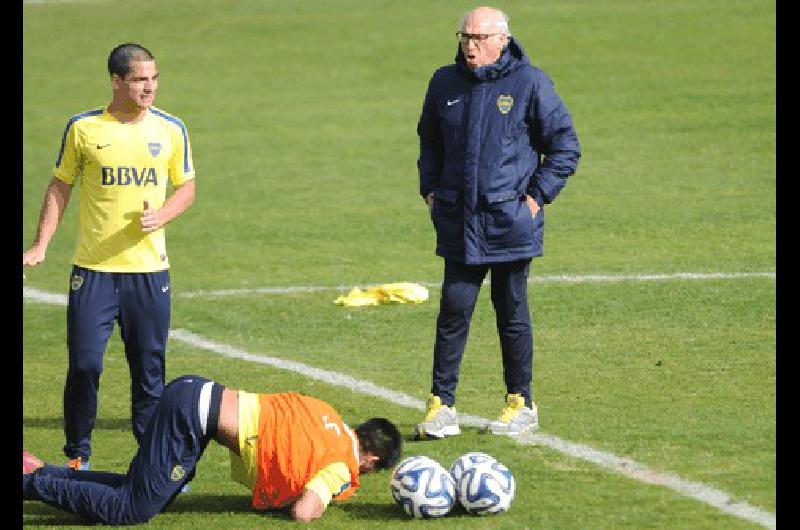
(429, 201)
(533, 205)
(151, 220)
(33, 256)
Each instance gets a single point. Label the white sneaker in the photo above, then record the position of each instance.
(440, 421)
(515, 418)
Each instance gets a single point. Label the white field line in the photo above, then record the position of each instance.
(35, 295)
(48, 2)
(700, 492)
(556, 278)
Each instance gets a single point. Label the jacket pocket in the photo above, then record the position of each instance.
(447, 215)
(507, 220)
(448, 197)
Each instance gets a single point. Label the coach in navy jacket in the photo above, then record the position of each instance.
(496, 145)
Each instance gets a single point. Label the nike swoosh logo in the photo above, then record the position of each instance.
(102, 146)
(453, 102)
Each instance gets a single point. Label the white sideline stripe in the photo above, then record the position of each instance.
(35, 295)
(624, 466)
(719, 499)
(556, 278)
(46, 2)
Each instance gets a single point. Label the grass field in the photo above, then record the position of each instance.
(302, 120)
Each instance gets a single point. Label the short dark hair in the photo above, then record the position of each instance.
(119, 61)
(380, 437)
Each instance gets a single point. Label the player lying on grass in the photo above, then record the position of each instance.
(292, 451)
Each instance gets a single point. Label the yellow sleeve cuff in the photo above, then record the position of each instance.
(330, 481)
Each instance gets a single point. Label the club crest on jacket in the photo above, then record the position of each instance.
(177, 473)
(504, 104)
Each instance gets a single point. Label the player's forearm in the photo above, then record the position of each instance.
(308, 507)
(178, 202)
(55, 203)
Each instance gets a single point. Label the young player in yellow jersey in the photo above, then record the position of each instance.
(122, 157)
(292, 451)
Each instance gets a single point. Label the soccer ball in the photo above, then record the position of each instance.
(468, 460)
(484, 486)
(423, 487)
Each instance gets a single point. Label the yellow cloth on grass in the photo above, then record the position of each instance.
(388, 293)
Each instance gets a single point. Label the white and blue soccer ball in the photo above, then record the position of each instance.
(484, 485)
(423, 487)
(468, 460)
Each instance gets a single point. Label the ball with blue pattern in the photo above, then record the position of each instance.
(484, 486)
(423, 487)
(468, 460)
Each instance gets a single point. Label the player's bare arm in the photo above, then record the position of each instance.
(55, 202)
(175, 205)
(308, 507)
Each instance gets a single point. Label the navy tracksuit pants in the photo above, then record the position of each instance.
(460, 288)
(140, 303)
(169, 449)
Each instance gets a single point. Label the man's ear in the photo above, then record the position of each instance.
(116, 81)
(369, 460)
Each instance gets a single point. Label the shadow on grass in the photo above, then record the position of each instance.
(211, 503)
(374, 512)
(40, 514)
(109, 424)
(385, 512)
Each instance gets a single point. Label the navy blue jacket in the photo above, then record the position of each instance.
(488, 137)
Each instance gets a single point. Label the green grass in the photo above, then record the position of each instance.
(302, 119)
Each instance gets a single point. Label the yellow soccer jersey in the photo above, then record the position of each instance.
(119, 166)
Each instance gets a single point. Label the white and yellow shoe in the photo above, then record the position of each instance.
(440, 421)
(515, 418)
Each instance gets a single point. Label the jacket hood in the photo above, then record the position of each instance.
(511, 58)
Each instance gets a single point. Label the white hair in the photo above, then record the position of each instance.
(501, 25)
